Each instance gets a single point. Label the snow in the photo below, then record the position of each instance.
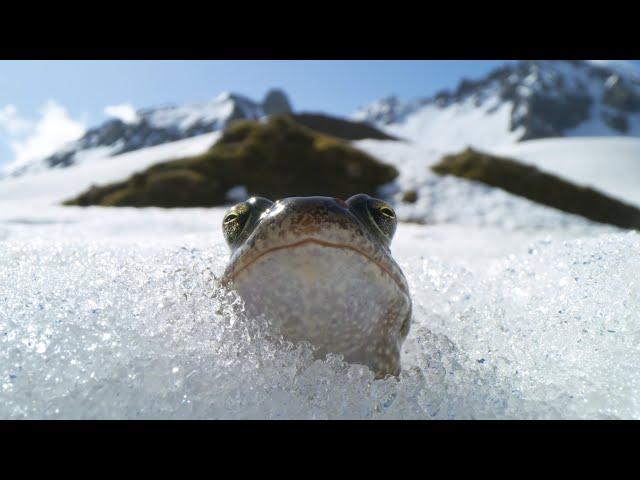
(482, 116)
(116, 314)
(521, 311)
(123, 112)
(181, 121)
(184, 117)
(450, 200)
(54, 186)
(458, 125)
(218, 111)
(237, 194)
(623, 67)
(597, 127)
(608, 164)
(386, 111)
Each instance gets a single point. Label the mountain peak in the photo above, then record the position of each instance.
(162, 124)
(276, 102)
(623, 67)
(533, 98)
(224, 96)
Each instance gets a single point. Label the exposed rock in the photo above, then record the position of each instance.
(165, 124)
(410, 196)
(538, 186)
(547, 98)
(616, 121)
(620, 96)
(550, 116)
(390, 110)
(276, 103)
(275, 159)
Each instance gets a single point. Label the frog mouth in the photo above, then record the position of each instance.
(228, 278)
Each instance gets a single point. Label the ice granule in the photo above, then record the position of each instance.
(561, 324)
(93, 330)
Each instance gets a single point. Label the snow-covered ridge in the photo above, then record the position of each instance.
(519, 101)
(155, 126)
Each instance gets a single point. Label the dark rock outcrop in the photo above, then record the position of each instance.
(619, 95)
(276, 103)
(547, 116)
(617, 122)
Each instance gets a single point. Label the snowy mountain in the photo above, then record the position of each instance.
(157, 126)
(516, 102)
(520, 310)
(519, 101)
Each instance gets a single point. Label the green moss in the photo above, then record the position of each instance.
(276, 159)
(340, 128)
(123, 196)
(529, 182)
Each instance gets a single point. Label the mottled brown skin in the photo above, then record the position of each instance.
(321, 271)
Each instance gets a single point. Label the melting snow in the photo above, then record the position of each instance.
(609, 164)
(459, 125)
(521, 311)
(98, 328)
(54, 186)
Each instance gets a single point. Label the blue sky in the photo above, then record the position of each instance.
(54, 99)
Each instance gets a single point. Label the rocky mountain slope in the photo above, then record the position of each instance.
(155, 126)
(164, 125)
(516, 102)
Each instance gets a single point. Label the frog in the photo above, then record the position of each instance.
(320, 271)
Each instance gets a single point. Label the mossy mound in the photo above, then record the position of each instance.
(339, 127)
(409, 196)
(529, 182)
(275, 159)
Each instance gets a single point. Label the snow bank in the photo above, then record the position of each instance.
(611, 165)
(521, 311)
(458, 201)
(56, 185)
(459, 125)
(89, 329)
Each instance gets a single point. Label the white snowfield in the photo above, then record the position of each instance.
(521, 311)
(51, 187)
(452, 128)
(608, 164)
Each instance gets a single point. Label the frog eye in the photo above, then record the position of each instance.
(232, 217)
(387, 211)
(234, 222)
(241, 219)
(383, 216)
(376, 214)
